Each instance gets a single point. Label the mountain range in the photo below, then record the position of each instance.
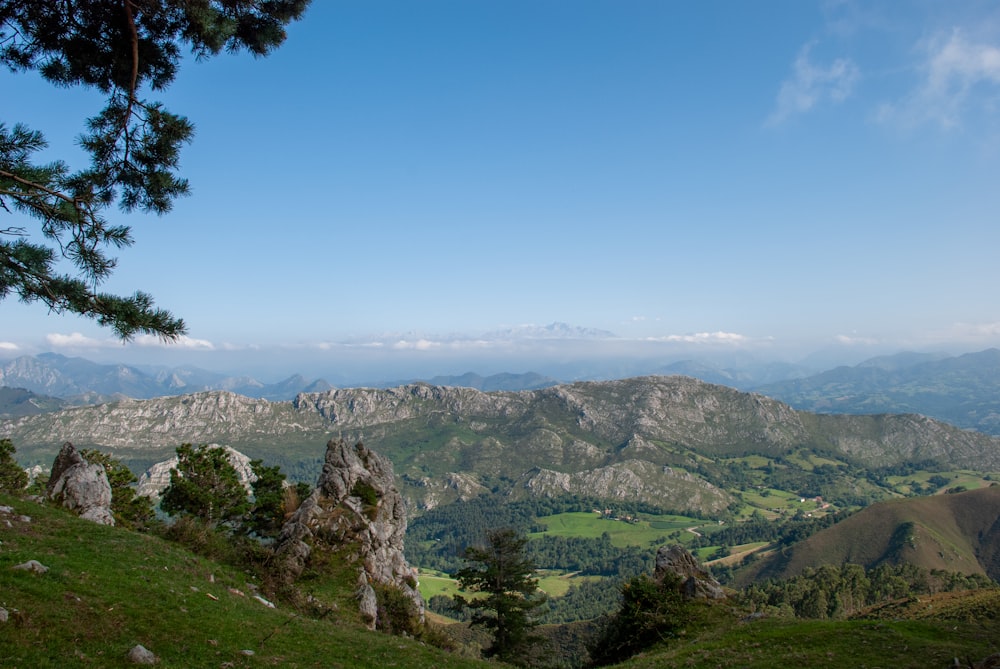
(670, 442)
(963, 390)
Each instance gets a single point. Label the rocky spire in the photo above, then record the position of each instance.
(355, 505)
(696, 581)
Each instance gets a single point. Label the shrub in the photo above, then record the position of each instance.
(12, 477)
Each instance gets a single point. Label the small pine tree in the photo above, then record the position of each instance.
(268, 511)
(205, 485)
(503, 573)
(12, 477)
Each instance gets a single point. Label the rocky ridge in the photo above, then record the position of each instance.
(644, 435)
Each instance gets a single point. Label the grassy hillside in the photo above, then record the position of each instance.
(902, 644)
(953, 532)
(108, 589)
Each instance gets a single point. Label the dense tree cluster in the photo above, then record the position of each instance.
(589, 556)
(586, 600)
(833, 591)
(206, 486)
(759, 528)
(651, 612)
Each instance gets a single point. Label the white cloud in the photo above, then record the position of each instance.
(417, 345)
(978, 334)
(185, 342)
(9, 346)
(811, 84)
(228, 346)
(954, 71)
(77, 340)
(853, 340)
(704, 338)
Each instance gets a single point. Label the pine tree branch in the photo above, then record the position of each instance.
(37, 186)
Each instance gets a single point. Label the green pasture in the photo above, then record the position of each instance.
(647, 531)
(432, 583)
(781, 500)
(552, 582)
(969, 479)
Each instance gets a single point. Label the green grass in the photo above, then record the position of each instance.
(649, 529)
(556, 583)
(765, 644)
(553, 583)
(434, 583)
(774, 504)
(108, 589)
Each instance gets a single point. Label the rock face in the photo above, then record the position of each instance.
(696, 582)
(81, 486)
(355, 506)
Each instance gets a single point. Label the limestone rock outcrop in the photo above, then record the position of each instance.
(356, 507)
(696, 581)
(80, 486)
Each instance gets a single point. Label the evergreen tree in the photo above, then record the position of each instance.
(121, 48)
(12, 477)
(504, 575)
(205, 485)
(269, 496)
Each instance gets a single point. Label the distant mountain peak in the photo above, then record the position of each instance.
(551, 331)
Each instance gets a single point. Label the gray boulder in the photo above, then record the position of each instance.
(33, 566)
(696, 581)
(139, 654)
(80, 486)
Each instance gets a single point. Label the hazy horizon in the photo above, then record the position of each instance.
(568, 357)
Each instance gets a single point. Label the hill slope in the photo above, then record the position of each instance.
(89, 609)
(954, 532)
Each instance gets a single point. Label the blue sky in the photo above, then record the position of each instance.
(424, 178)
